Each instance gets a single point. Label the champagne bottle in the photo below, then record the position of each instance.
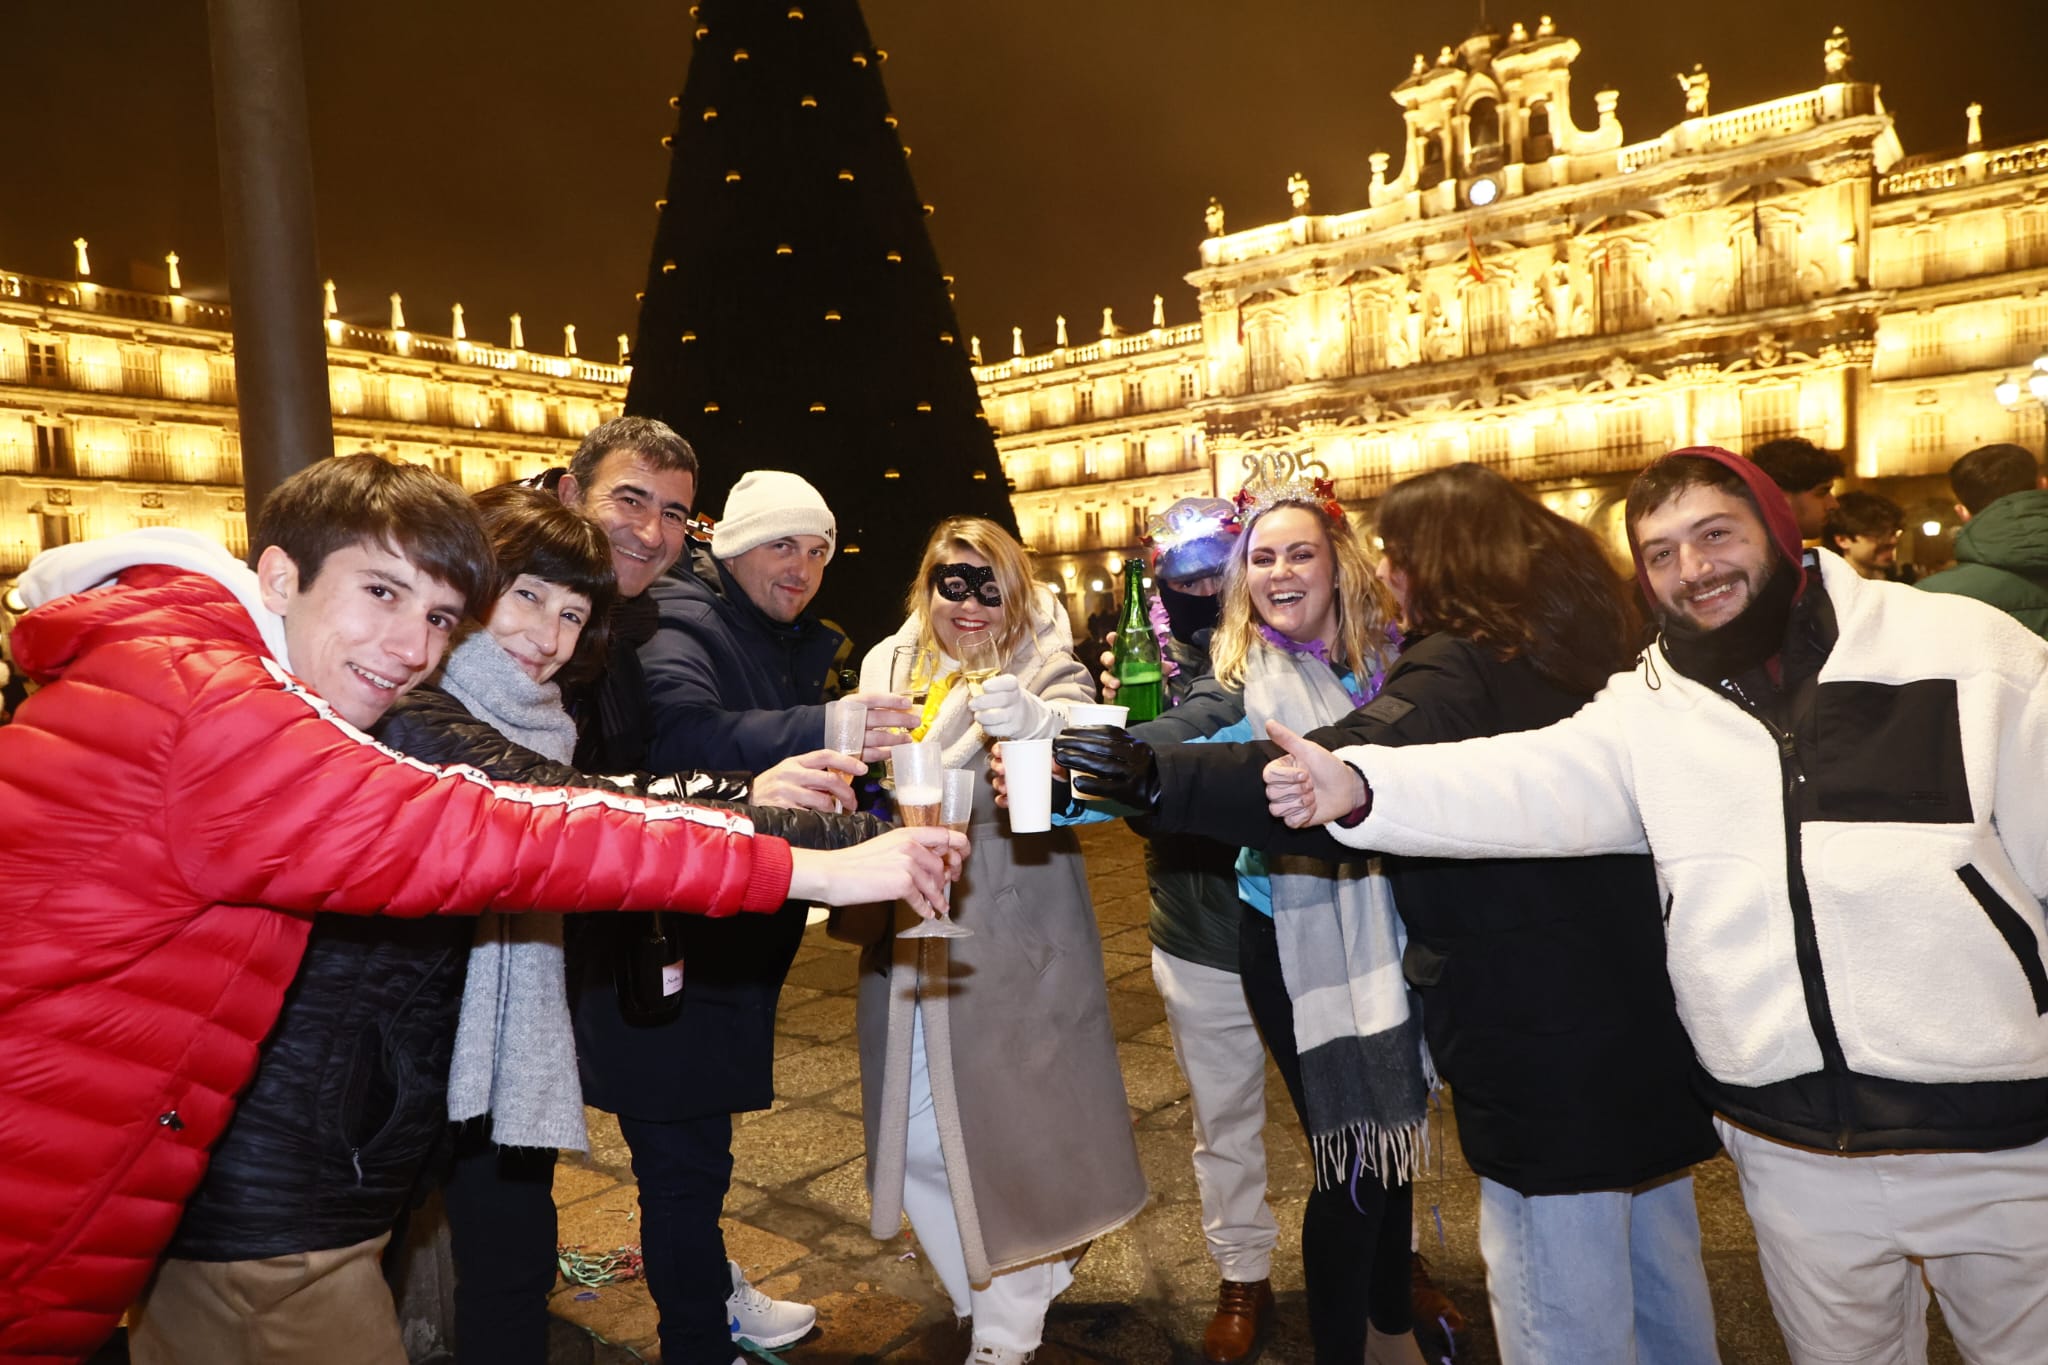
(1141, 682)
(649, 974)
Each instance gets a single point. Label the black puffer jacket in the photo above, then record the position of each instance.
(1544, 995)
(350, 1092)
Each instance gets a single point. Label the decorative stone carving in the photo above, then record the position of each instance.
(1769, 352)
(1212, 217)
(57, 497)
(1297, 192)
(1539, 319)
(152, 500)
(1851, 165)
(238, 503)
(1487, 392)
(1619, 372)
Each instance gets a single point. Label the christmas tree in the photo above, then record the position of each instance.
(795, 315)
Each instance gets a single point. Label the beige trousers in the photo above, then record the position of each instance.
(309, 1308)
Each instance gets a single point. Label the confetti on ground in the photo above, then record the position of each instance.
(582, 1265)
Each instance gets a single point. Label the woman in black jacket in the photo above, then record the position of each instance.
(353, 1091)
(1545, 1000)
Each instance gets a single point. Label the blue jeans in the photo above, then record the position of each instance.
(1608, 1278)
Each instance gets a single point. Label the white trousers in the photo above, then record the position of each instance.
(1220, 1052)
(1008, 1311)
(1839, 1237)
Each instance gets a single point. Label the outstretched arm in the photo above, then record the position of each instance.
(275, 801)
(1564, 791)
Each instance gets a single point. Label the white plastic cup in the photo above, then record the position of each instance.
(1027, 773)
(1096, 713)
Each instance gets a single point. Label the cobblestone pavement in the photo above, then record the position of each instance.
(797, 1218)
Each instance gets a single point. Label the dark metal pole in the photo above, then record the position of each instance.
(266, 193)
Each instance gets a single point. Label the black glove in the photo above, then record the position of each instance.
(1107, 763)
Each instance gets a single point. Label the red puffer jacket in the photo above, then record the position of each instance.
(175, 807)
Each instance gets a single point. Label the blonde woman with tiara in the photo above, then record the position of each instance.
(994, 1104)
(1305, 638)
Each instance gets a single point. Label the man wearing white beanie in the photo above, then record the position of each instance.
(735, 675)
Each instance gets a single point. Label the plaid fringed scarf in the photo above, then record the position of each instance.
(1365, 1070)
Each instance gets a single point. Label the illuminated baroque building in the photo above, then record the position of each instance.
(1551, 300)
(1562, 304)
(117, 408)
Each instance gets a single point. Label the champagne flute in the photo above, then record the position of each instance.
(980, 660)
(921, 801)
(910, 672)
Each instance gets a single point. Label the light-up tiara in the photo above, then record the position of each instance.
(1278, 476)
(1188, 520)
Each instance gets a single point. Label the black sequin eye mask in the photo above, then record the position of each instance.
(958, 582)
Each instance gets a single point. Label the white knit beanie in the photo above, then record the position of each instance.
(768, 504)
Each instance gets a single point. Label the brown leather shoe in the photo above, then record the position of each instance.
(1430, 1304)
(1242, 1312)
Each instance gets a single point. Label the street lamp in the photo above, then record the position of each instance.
(2007, 389)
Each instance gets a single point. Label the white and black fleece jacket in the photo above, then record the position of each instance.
(1852, 871)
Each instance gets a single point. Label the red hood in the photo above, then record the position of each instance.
(1779, 520)
(147, 601)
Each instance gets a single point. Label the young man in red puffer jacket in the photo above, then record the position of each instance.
(192, 781)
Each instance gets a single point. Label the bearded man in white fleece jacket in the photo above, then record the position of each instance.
(1843, 788)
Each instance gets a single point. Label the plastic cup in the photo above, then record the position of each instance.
(919, 770)
(847, 733)
(1096, 713)
(1027, 772)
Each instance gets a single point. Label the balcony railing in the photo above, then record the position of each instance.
(1107, 348)
(1945, 175)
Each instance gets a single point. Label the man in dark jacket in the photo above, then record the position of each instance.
(734, 680)
(2002, 550)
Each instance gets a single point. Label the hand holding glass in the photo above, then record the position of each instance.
(980, 660)
(920, 802)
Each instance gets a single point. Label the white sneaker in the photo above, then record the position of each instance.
(985, 1354)
(764, 1321)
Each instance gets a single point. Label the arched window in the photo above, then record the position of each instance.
(1486, 317)
(1538, 144)
(1262, 342)
(1621, 296)
(1769, 249)
(1482, 135)
(1432, 158)
(1369, 322)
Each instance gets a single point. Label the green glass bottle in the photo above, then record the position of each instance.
(1141, 683)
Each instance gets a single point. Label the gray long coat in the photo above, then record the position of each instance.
(1025, 1081)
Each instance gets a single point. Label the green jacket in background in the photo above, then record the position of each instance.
(2002, 559)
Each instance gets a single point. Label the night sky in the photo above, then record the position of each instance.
(507, 153)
